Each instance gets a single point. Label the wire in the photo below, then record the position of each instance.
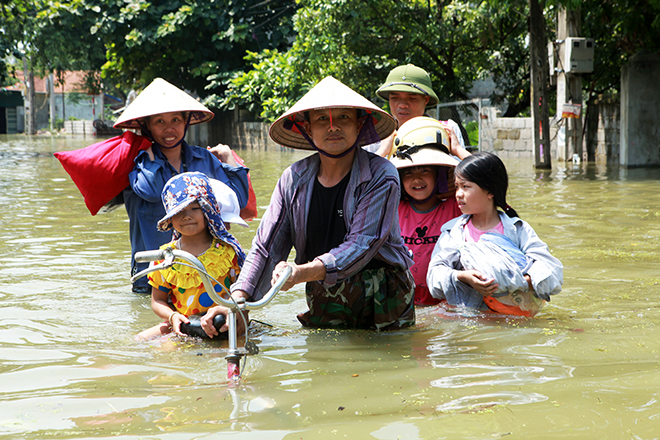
(555, 46)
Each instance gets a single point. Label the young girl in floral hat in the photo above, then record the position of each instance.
(177, 293)
(163, 113)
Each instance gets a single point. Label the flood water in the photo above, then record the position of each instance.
(585, 367)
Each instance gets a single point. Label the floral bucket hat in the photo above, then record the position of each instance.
(162, 97)
(186, 188)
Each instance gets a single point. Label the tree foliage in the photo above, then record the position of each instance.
(360, 41)
(257, 54)
(18, 29)
(185, 41)
(51, 37)
(619, 29)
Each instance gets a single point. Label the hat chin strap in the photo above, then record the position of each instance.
(185, 131)
(413, 85)
(441, 186)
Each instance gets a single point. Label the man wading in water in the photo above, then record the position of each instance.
(338, 209)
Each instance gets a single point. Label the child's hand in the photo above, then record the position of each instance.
(455, 147)
(453, 139)
(176, 319)
(474, 278)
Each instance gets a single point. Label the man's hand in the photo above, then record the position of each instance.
(312, 271)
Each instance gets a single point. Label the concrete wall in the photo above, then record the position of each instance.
(602, 131)
(510, 138)
(507, 137)
(79, 128)
(253, 136)
(77, 105)
(41, 109)
(640, 107)
(228, 127)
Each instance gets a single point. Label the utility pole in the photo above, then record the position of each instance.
(51, 94)
(31, 105)
(569, 86)
(539, 86)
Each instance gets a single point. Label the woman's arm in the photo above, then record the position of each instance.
(386, 146)
(224, 154)
(235, 176)
(147, 178)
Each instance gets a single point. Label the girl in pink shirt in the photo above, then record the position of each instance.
(426, 171)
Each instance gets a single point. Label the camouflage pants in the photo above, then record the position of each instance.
(376, 299)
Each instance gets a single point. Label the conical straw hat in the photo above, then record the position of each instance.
(329, 93)
(162, 97)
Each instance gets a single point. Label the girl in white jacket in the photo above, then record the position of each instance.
(488, 260)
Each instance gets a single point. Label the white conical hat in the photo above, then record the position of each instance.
(162, 97)
(329, 93)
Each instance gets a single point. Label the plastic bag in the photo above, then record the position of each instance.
(100, 171)
(250, 211)
(496, 257)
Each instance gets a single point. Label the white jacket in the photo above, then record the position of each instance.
(546, 272)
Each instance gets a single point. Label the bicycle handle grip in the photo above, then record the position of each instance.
(147, 256)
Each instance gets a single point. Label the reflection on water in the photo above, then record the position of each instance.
(584, 368)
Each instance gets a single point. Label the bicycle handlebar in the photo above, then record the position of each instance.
(169, 255)
(284, 276)
(147, 256)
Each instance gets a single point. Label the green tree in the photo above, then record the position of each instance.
(18, 29)
(619, 29)
(64, 40)
(184, 41)
(49, 35)
(360, 41)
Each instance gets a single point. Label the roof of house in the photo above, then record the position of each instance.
(10, 98)
(73, 82)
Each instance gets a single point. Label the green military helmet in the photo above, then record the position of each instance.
(422, 141)
(411, 79)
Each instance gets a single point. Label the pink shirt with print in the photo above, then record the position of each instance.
(420, 232)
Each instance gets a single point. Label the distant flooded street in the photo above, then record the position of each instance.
(585, 367)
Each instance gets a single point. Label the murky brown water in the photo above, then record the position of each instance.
(586, 367)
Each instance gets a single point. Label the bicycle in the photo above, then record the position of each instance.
(170, 257)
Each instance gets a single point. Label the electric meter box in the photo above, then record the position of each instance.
(579, 55)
